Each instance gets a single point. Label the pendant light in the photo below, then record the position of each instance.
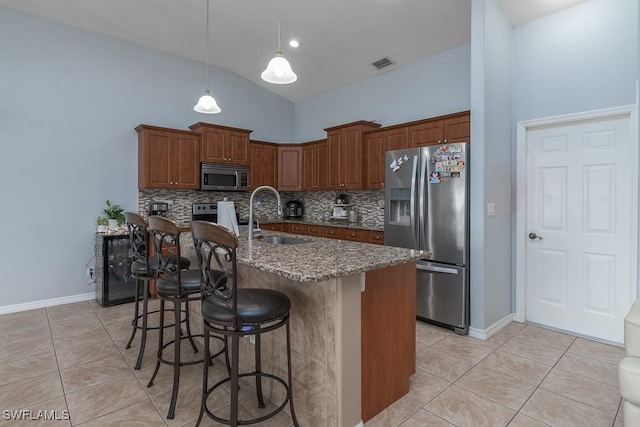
(207, 103)
(278, 70)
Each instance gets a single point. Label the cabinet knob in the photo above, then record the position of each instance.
(299, 187)
(445, 141)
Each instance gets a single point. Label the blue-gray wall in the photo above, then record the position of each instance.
(69, 103)
(491, 261)
(430, 87)
(583, 58)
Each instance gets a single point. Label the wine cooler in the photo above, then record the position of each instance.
(114, 284)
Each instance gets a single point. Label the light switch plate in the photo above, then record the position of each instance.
(491, 209)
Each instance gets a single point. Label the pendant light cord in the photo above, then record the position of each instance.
(279, 44)
(207, 45)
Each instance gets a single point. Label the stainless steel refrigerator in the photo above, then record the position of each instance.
(427, 207)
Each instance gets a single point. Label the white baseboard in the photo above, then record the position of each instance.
(360, 424)
(5, 309)
(484, 334)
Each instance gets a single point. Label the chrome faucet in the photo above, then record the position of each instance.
(262, 187)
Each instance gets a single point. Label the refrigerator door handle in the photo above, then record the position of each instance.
(412, 203)
(437, 269)
(422, 242)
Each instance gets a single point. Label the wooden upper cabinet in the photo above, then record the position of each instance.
(426, 133)
(223, 144)
(376, 145)
(314, 165)
(263, 164)
(345, 153)
(440, 130)
(289, 167)
(457, 128)
(168, 158)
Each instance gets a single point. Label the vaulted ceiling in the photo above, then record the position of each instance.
(339, 39)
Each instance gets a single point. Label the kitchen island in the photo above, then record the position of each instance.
(352, 323)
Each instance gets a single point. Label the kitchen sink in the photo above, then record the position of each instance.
(280, 240)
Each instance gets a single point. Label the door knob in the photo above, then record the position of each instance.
(534, 236)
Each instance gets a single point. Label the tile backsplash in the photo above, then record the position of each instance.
(369, 204)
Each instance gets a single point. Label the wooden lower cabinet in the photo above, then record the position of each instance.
(273, 227)
(375, 237)
(354, 235)
(388, 340)
(333, 232)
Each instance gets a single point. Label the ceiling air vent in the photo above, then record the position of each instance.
(381, 63)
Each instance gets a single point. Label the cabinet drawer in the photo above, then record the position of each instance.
(334, 233)
(376, 237)
(298, 228)
(354, 235)
(315, 230)
(272, 227)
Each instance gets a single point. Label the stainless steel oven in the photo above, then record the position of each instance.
(224, 177)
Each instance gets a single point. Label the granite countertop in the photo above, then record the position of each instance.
(317, 260)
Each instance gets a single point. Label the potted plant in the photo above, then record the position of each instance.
(115, 215)
(101, 223)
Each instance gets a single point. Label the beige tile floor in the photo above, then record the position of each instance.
(73, 358)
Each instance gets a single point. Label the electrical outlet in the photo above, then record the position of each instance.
(90, 272)
(252, 339)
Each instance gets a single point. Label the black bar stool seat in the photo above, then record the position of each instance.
(254, 306)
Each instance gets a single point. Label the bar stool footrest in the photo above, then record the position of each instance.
(253, 420)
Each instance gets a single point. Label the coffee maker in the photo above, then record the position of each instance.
(158, 208)
(293, 209)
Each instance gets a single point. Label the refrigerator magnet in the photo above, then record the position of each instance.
(455, 174)
(434, 178)
(438, 166)
(460, 164)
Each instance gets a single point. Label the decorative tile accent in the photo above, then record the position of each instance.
(369, 204)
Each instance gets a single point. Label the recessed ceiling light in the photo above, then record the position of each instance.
(294, 43)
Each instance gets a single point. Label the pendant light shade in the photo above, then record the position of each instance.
(279, 70)
(207, 104)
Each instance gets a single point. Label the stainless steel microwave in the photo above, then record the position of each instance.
(224, 177)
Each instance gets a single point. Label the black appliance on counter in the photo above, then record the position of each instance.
(293, 209)
(158, 208)
(114, 284)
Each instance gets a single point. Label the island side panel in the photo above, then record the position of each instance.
(388, 336)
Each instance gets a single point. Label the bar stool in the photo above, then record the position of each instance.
(179, 287)
(233, 313)
(142, 271)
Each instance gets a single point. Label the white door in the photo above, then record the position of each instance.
(580, 225)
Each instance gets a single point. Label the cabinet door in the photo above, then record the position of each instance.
(322, 166)
(335, 144)
(352, 159)
(396, 139)
(315, 230)
(427, 133)
(298, 228)
(374, 160)
(186, 165)
(309, 170)
(156, 164)
(354, 235)
(214, 145)
(376, 237)
(333, 232)
(238, 148)
(272, 227)
(290, 168)
(263, 164)
(457, 129)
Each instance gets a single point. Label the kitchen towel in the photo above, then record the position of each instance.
(227, 216)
